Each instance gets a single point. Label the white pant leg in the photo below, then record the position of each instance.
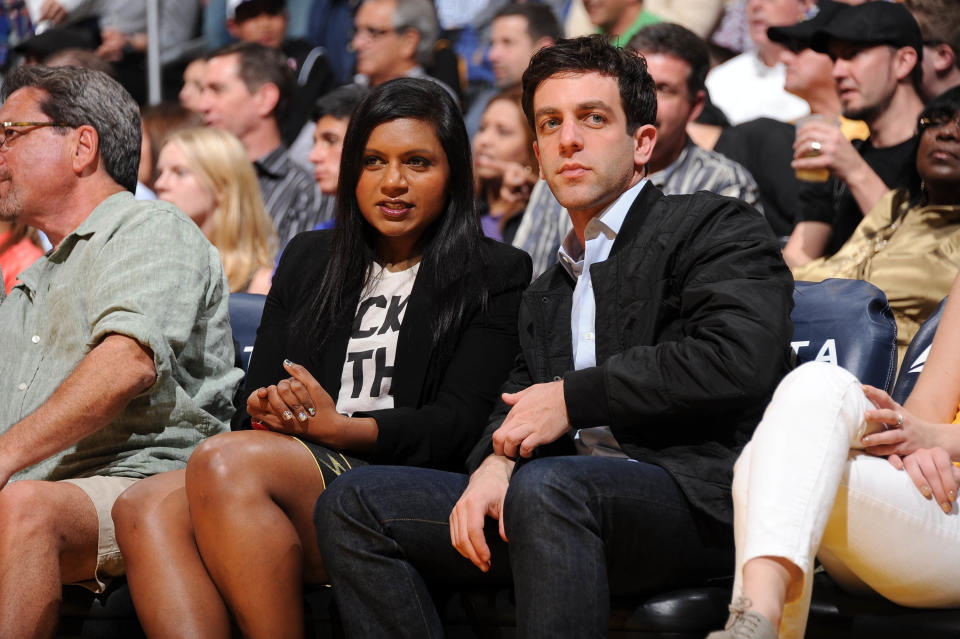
(787, 477)
(798, 485)
(884, 534)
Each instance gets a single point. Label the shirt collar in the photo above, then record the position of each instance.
(273, 163)
(99, 219)
(608, 223)
(761, 69)
(662, 176)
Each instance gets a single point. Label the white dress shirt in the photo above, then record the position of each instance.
(600, 233)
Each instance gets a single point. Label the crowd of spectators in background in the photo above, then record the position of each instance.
(479, 50)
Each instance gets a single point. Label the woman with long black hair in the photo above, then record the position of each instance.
(402, 323)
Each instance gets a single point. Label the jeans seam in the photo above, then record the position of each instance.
(414, 520)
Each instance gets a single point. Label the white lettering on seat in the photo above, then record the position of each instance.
(918, 363)
(827, 353)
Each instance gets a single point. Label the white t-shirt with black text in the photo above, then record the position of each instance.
(368, 368)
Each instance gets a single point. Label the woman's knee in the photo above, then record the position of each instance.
(224, 462)
(816, 378)
(816, 397)
(152, 508)
(243, 467)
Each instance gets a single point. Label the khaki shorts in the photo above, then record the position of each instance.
(103, 492)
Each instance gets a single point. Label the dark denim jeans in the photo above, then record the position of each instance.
(580, 528)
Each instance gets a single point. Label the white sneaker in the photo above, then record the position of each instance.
(745, 624)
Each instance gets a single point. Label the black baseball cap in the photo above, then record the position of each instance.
(876, 22)
(802, 32)
(57, 39)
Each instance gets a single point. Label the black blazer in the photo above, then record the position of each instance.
(441, 403)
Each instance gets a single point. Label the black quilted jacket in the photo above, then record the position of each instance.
(693, 330)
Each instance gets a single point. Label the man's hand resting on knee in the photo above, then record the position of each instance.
(538, 415)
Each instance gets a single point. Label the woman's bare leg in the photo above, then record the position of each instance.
(251, 496)
(171, 589)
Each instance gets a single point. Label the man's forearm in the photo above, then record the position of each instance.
(866, 187)
(807, 242)
(102, 384)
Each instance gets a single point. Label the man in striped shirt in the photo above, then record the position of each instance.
(246, 89)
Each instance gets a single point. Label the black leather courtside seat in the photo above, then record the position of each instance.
(916, 356)
(245, 312)
(848, 323)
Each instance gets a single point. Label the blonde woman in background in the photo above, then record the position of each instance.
(206, 173)
(160, 121)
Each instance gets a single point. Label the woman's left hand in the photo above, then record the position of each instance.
(903, 432)
(934, 475)
(300, 405)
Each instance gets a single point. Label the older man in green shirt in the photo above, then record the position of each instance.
(115, 349)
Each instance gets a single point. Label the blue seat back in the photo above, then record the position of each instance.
(916, 356)
(848, 323)
(245, 312)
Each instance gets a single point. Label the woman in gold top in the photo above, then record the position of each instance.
(908, 245)
(841, 472)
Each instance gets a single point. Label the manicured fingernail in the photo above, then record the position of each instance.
(947, 508)
(925, 490)
(287, 362)
(287, 415)
(302, 416)
(866, 440)
(952, 494)
(312, 411)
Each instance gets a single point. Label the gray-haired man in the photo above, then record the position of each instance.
(393, 39)
(115, 352)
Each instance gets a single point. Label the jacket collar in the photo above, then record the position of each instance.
(636, 216)
(415, 349)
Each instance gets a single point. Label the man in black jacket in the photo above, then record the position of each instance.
(649, 353)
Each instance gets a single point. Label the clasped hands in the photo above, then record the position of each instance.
(297, 405)
(538, 415)
(912, 444)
